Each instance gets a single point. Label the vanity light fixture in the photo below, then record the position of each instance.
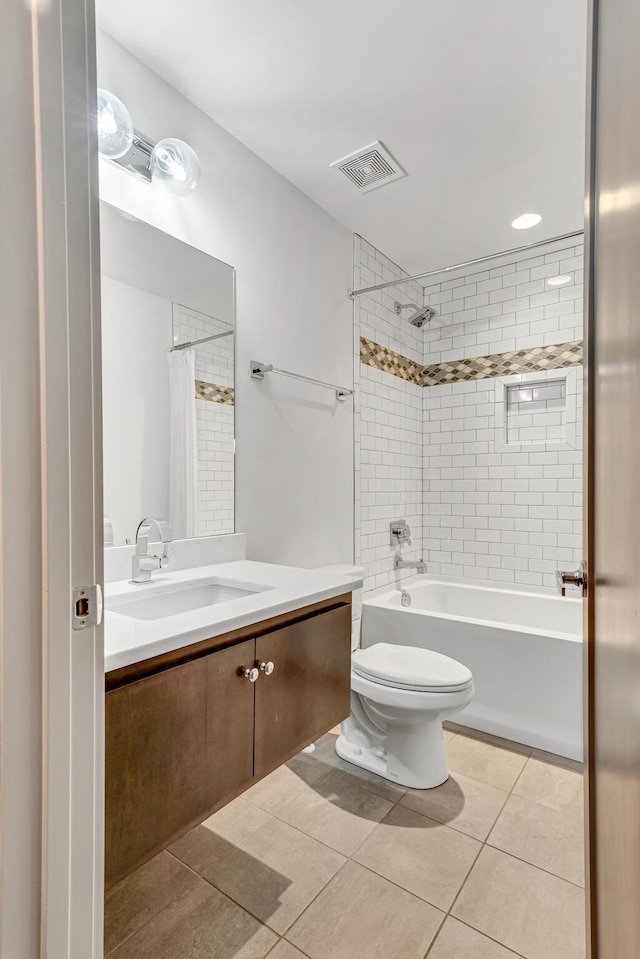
(115, 126)
(171, 163)
(526, 221)
(175, 166)
(561, 280)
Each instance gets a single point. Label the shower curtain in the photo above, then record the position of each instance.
(183, 456)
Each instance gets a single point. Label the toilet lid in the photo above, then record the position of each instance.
(408, 667)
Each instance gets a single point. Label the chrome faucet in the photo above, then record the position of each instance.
(143, 561)
(417, 564)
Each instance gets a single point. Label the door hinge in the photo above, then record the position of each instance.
(86, 606)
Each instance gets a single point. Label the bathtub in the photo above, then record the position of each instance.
(524, 649)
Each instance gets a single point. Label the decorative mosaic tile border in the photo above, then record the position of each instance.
(381, 358)
(538, 358)
(214, 393)
(505, 364)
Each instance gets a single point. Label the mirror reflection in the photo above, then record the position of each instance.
(168, 313)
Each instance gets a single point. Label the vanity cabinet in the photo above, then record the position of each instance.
(188, 731)
(308, 689)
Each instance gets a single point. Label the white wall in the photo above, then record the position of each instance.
(294, 462)
(136, 333)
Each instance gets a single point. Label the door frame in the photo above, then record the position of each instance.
(52, 686)
(588, 631)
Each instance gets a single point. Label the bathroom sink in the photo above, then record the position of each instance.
(159, 602)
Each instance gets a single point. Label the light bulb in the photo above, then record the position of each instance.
(115, 126)
(175, 166)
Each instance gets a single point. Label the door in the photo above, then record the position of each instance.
(308, 690)
(52, 679)
(178, 742)
(613, 457)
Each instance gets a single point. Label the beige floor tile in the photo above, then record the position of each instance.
(284, 950)
(202, 924)
(360, 915)
(326, 754)
(237, 820)
(337, 810)
(424, 857)
(529, 911)
(467, 805)
(542, 836)
(484, 761)
(219, 834)
(274, 873)
(143, 895)
(555, 786)
(457, 941)
(282, 785)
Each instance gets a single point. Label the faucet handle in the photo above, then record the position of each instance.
(400, 532)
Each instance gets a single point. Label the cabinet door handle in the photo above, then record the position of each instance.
(250, 674)
(267, 668)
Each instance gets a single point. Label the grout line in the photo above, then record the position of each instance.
(288, 943)
(437, 935)
(311, 902)
(518, 955)
(167, 905)
(554, 875)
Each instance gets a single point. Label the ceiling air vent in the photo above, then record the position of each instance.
(371, 167)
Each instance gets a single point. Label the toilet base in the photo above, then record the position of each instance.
(415, 755)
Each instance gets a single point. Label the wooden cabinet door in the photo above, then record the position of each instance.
(177, 744)
(308, 691)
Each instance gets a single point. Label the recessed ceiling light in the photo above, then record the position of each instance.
(559, 280)
(526, 221)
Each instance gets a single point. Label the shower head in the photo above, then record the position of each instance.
(422, 316)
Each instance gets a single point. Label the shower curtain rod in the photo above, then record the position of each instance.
(205, 339)
(460, 266)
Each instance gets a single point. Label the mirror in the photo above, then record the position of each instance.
(168, 406)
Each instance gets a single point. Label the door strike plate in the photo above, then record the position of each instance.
(86, 609)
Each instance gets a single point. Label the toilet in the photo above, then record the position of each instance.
(400, 696)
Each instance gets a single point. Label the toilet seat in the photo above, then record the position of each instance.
(411, 668)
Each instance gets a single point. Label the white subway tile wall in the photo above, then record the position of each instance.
(214, 421)
(512, 516)
(388, 421)
(503, 515)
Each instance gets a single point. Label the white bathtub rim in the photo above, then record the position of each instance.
(380, 598)
(412, 579)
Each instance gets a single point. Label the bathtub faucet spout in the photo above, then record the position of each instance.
(417, 564)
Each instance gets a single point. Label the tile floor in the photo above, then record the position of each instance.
(322, 860)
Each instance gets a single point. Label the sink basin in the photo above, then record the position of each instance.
(159, 602)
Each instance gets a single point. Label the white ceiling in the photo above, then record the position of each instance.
(481, 101)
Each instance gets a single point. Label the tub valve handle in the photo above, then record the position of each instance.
(577, 578)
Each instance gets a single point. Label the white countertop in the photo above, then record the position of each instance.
(129, 640)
